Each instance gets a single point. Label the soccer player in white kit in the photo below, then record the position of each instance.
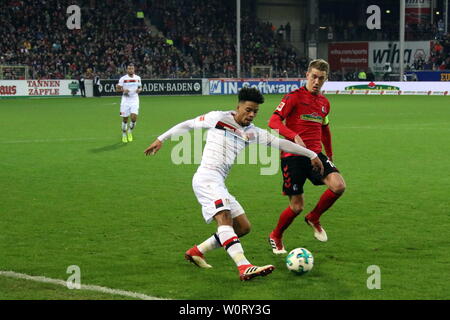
(228, 133)
(130, 84)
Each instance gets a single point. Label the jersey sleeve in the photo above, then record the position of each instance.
(208, 120)
(283, 110)
(139, 82)
(268, 139)
(285, 107)
(121, 82)
(326, 134)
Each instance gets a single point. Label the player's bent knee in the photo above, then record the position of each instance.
(243, 230)
(241, 226)
(338, 188)
(297, 208)
(247, 228)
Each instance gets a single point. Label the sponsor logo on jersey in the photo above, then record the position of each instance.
(314, 117)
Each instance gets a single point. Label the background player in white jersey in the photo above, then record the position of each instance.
(130, 84)
(229, 132)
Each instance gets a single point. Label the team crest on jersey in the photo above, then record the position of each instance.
(314, 117)
(323, 109)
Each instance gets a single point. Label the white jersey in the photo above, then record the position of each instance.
(131, 84)
(225, 139)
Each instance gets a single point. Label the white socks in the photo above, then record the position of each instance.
(230, 242)
(124, 127)
(209, 244)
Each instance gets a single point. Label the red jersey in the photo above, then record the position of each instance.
(305, 114)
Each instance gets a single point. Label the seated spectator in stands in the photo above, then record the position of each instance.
(370, 75)
(350, 76)
(442, 66)
(202, 43)
(418, 64)
(362, 76)
(387, 69)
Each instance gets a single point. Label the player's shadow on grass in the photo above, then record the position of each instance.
(110, 147)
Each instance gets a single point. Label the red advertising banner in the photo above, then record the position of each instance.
(349, 55)
(417, 11)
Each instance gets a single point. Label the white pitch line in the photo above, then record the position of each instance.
(61, 140)
(392, 128)
(52, 140)
(136, 295)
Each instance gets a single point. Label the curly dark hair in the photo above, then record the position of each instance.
(250, 94)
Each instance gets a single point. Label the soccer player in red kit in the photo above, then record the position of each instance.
(305, 115)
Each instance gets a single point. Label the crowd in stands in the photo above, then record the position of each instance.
(439, 58)
(110, 37)
(196, 39)
(351, 31)
(206, 32)
(177, 39)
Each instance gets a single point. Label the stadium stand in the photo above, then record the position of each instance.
(176, 39)
(203, 44)
(207, 33)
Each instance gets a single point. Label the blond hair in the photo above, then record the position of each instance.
(320, 65)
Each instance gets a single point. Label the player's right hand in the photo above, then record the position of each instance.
(153, 148)
(299, 141)
(317, 165)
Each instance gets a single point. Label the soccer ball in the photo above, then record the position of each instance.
(300, 261)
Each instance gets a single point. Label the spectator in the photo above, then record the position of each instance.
(280, 32)
(362, 76)
(288, 32)
(387, 71)
(370, 75)
(82, 86)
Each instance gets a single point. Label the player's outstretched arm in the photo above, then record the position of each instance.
(291, 147)
(176, 130)
(153, 148)
(276, 123)
(288, 146)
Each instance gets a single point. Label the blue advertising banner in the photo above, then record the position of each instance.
(266, 86)
(429, 75)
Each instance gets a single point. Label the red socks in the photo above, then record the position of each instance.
(325, 202)
(286, 218)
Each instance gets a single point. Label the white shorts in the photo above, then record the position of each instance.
(213, 195)
(128, 108)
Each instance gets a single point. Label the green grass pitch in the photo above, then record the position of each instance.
(72, 194)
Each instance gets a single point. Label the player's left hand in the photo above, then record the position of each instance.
(330, 158)
(153, 148)
(317, 165)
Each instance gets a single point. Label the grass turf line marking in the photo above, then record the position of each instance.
(51, 140)
(136, 295)
(62, 140)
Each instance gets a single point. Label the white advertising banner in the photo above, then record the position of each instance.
(38, 88)
(387, 88)
(382, 52)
